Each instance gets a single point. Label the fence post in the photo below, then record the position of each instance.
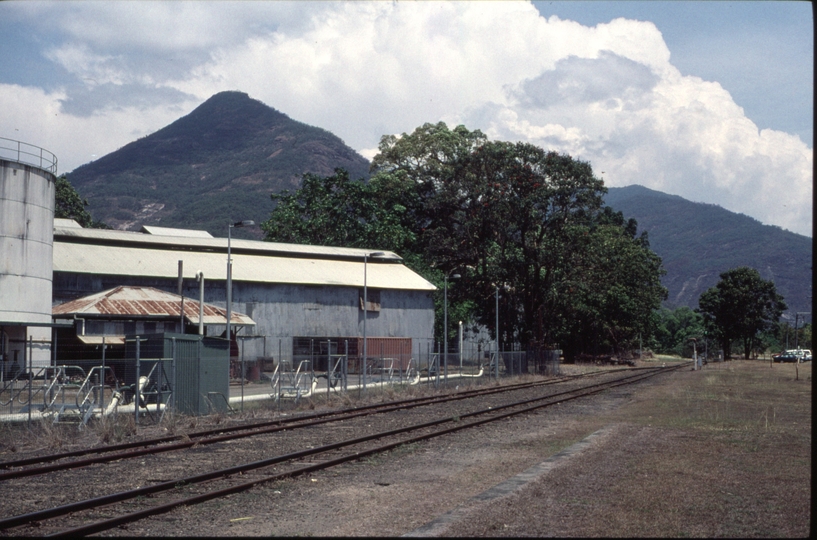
(437, 367)
(328, 367)
(30, 365)
(138, 374)
(243, 374)
(172, 378)
(102, 401)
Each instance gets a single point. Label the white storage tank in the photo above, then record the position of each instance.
(27, 187)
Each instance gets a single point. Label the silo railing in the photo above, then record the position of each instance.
(28, 154)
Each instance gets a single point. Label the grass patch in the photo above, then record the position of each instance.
(726, 451)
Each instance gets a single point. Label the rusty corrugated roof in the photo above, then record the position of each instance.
(127, 301)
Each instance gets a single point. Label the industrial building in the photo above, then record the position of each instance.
(295, 294)
(291, 292)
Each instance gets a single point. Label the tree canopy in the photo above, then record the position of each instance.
(740, 307)
(69, 205)
(507, 216)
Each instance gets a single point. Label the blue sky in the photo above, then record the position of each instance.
(712, 101)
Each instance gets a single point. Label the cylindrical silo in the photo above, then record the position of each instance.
(27, 186)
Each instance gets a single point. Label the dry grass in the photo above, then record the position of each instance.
(731, 455)
(721, 452)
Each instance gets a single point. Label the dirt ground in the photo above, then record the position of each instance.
(721, 452)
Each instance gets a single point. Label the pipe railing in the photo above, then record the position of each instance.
(28, 154)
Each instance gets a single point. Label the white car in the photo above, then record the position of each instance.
(803, 354)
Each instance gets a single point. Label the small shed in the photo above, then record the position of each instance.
(115, 316)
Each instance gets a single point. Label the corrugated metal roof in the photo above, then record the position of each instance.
(146, 302)
(262, 262)
(167, 231)
(109, 236)
(66, 223)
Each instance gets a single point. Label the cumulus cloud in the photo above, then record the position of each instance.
(652, 126)
(38, 117)
(607, 94)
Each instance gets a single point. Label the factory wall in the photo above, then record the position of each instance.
(284, 311)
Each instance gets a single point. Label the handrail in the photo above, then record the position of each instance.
(293, 382)
(28, 154)
(59, 379)
(85, 394)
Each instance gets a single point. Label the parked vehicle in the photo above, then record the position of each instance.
(803, 354)
(786, 356)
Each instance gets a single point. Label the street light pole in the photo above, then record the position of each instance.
(445, 328)
(497, 333)
(239, 224)
(366, 308)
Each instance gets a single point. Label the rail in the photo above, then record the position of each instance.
(28, 154)
(353, 448)
(125, 450)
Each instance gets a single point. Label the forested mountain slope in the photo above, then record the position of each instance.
(699, 241)
(219, 163)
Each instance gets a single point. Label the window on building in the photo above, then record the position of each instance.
(372, 298)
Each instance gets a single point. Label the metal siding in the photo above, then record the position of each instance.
(66, 233)
(168, 231)
(287, 296)
(285, 311)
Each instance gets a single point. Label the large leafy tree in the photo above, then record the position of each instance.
(329, 211)
(739, 307)
(69, 205)
(338, 211)
(502, 215)
(497, 213)
(611, 289)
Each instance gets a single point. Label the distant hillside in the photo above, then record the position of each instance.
(698, 242)
(219, 163)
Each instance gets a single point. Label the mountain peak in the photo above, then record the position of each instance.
(225, 157)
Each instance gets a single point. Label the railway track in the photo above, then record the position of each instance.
(93, 515)
(37, 465)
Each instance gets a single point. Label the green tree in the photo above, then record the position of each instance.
(613, 288)
(500, 214)
(497, 213)
(327, 211)
(338, 211)
(69, 205)
(740, 307)
(675, 328)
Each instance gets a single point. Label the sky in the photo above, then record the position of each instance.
(708, 100)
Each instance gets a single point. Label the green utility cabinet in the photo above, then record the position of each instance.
(202, 368)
